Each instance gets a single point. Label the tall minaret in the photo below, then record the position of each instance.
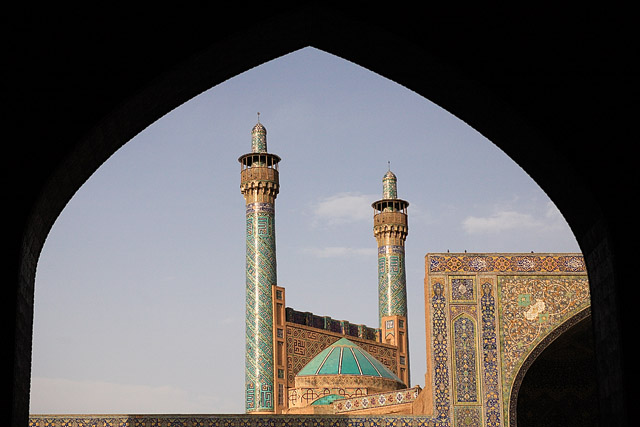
(390, 228)
(259, 185)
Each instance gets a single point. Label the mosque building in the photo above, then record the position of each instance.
(299, 362)
(485, 315)
(488, 316)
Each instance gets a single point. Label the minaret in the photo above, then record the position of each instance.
(259, 186)
(390, 228)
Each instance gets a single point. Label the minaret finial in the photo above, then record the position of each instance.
(389, 165)
(258, 116)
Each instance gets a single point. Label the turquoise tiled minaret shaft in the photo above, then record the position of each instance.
(259, 186)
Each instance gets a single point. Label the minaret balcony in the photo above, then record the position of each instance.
(259, 173)
(390, 218)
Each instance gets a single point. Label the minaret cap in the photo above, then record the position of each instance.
(389, 186)
(259, 138)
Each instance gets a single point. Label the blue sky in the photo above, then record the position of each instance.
(139, 304)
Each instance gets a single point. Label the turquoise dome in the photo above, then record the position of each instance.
(345, 358)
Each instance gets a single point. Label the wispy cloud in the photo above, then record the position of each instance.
(509, 219)
(341, 251)
(343, 208)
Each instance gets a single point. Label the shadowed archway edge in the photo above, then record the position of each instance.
(552, 100)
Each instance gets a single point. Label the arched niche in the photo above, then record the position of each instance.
(556, 384)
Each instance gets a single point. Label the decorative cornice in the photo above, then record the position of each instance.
(506, 263)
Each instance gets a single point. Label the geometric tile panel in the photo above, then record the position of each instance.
(491, 375)
(467, 416)
(392, 287)
(465, 369)
(441, 379)
(463, 289)
(376, 400)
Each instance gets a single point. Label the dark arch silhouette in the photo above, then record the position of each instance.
(553, 88)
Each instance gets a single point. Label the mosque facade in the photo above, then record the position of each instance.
(485, 316)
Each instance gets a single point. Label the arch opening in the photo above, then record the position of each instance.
(199, 179)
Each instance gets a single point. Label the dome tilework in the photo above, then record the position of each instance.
(345, 358)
